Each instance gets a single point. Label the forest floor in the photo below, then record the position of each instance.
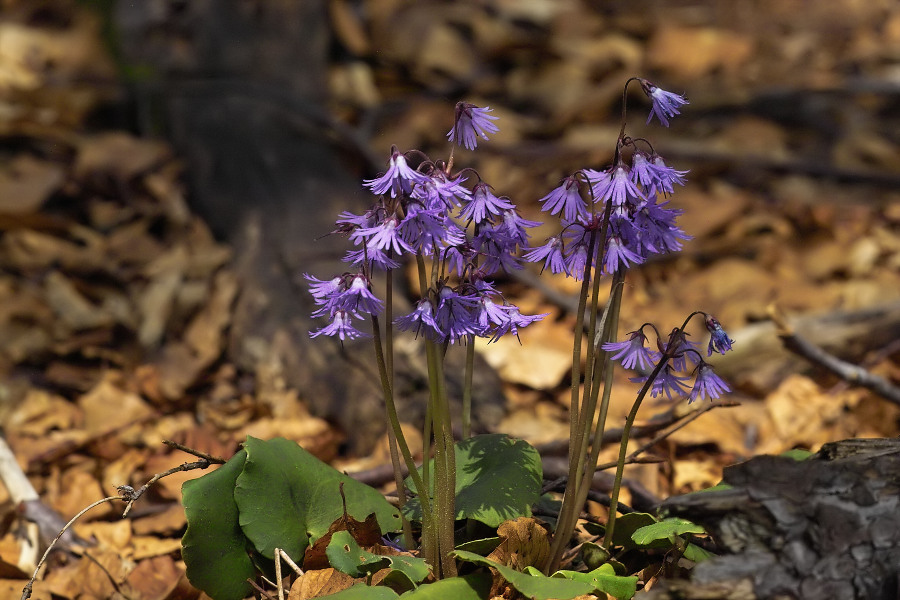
(116, 299)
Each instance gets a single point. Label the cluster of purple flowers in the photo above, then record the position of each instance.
(681, 355)
(426, 211)
(639, 224)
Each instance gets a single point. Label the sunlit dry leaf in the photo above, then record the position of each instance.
(113, 536)
(26, 182)
(40, 411)
(692, 52)
(12, 588)
(169, 522)
(314, 435)
(77, 490)
(525, 543)
(108, 407)
(147, 546)
(155, 578)
(122, 471)
(313, 584)
(156, 301)
(71, 307)
(692, 475)
(205, 334)
(540, 360)
(544, 422)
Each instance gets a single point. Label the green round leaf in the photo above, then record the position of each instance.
(497, 478)
(537, 587)
(470, 587)
(361, 591)
(214, 547)
(604, 579)
(345, 555)
(288, 497)
(627, 525)
(665, 530)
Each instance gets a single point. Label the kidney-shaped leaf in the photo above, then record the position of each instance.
(214, 548)
(537, 587)
(604, 579)
(497, 478)
(666, 530)
(286, 496)
(476, 586)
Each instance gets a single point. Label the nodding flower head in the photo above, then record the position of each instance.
(399, 178)
(565, 198)
(707, 384)
(633, 352)
(471, 123)
(665, 104)
(718, 339)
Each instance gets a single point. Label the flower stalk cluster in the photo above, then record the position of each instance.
(611, 220)
(460, 234)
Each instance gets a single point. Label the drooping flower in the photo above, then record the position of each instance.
(619, 255)
(684, 352)
(383, 236)
(550, 253)
(718, 339)
(483, 203)
(471, 122)
(421, 321)
(372, 256)
(515, 225)
(321, 289)
(656, 230)
(399, 178)
(633, 353)
(358, 298)
(666, 177)
(665, 104)
(514, 321)
(493, 242)
(341, 325)
(666, 382)
(708, 384)
(618, 188)
(565, 198)
(455, 316)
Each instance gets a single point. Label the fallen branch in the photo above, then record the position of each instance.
(848, 372)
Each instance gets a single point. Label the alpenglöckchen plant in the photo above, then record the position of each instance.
(611, 220)
(460, 234)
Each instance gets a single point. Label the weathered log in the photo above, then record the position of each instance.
(825, 527)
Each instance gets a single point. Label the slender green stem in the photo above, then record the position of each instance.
(395, 421)
(408, 541)
(604, 365)
(467, 389)
(623, 451)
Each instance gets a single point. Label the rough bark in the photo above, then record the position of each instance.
(825, 527)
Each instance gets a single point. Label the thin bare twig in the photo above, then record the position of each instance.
(27, 590)
(849, 372)
(202, 455)
(132, 495)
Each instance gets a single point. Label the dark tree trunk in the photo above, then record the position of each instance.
(240, 86)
